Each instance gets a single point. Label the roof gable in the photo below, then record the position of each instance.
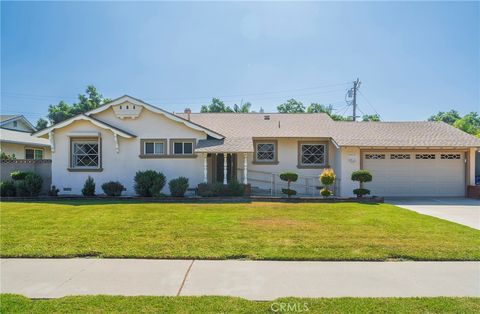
(7, 120)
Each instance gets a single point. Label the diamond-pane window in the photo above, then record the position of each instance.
(425, 156)
(399, 156)
(313, 154)
(265, 152)
(85, 154)
(374, 156)
(450, 156)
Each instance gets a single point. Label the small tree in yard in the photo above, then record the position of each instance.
(289, 177)
(89, 187)
(361, 176)
(327, 178)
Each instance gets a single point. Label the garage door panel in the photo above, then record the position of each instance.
(416, 177)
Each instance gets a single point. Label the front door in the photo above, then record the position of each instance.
(231, 167)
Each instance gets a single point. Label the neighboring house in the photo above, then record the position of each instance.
(118, 139)
(16, 139)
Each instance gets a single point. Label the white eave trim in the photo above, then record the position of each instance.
(85, 118)
(167, 114)
(16, 118)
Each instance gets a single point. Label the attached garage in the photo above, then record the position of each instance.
(416, 173)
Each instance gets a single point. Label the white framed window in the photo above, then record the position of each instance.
(266, 152)
(154, 148)
(180, 147)
(313, 154)
(85, 154)
(33, 153)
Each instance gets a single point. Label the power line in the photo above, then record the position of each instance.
(368, 102)
(19, 94)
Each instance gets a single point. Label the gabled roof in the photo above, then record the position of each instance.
(5, 119)
(19, 137)
(152, 108)
(84, 117)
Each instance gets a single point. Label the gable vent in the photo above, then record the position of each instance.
(267, 117)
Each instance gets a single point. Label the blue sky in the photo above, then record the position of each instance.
(413, 59)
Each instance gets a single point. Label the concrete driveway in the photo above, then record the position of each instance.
(463, 211)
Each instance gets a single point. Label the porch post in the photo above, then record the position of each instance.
(225, 168)
(245, 172)
(205, 170)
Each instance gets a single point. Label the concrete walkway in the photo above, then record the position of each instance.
(460, 210)
(255, 280)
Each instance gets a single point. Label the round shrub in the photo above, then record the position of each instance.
(53, 191)
(89, 187)
(289, 176)
(112, 188)
(362, 176)
(361, 192)
(7, 188)
(325, 192)
(18, 175)
(289, 192)
(178, 186)
(327, 177)
(31, 185)
(149, 183)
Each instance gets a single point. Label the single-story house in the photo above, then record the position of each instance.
(16, 139)
(118, 139)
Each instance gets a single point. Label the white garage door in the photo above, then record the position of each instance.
(416, 173)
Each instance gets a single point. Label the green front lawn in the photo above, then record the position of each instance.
(283, 231)
(115, 304)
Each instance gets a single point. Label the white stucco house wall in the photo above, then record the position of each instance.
(118, 139)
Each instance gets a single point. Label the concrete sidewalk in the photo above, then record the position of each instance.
(255, 280)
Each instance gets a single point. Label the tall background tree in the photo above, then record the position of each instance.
(328, 109)
(86, 102)
(469, 123)
(243, 108)
(41, 124)
(291, 106)
(216, 106)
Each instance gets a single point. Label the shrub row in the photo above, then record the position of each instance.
(218, 189)
(147, 184)
(23, 184)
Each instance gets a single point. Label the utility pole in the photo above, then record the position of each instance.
(356, 86)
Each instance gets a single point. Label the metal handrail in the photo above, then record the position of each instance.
(311, 184)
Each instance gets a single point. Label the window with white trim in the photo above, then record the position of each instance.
(265, 152)
(33, 153)
(312, 154)
(154, 148)
(85, 154)
(182, 147)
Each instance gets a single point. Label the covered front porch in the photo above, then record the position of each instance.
(225, 167)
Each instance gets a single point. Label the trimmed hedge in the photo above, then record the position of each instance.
(113, 188)
(7, 188)
(149, 183)
(178, 187)
(218, 189)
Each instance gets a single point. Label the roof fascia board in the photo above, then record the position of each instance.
(86, 118)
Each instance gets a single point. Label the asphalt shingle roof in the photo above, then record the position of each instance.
(240, 128)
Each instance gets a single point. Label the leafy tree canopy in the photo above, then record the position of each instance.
(62, 111)
(291, 106)
(244, 108)
(469, 123)
(216, 106)
(371, 117)
(41, 124)
(448, 117)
